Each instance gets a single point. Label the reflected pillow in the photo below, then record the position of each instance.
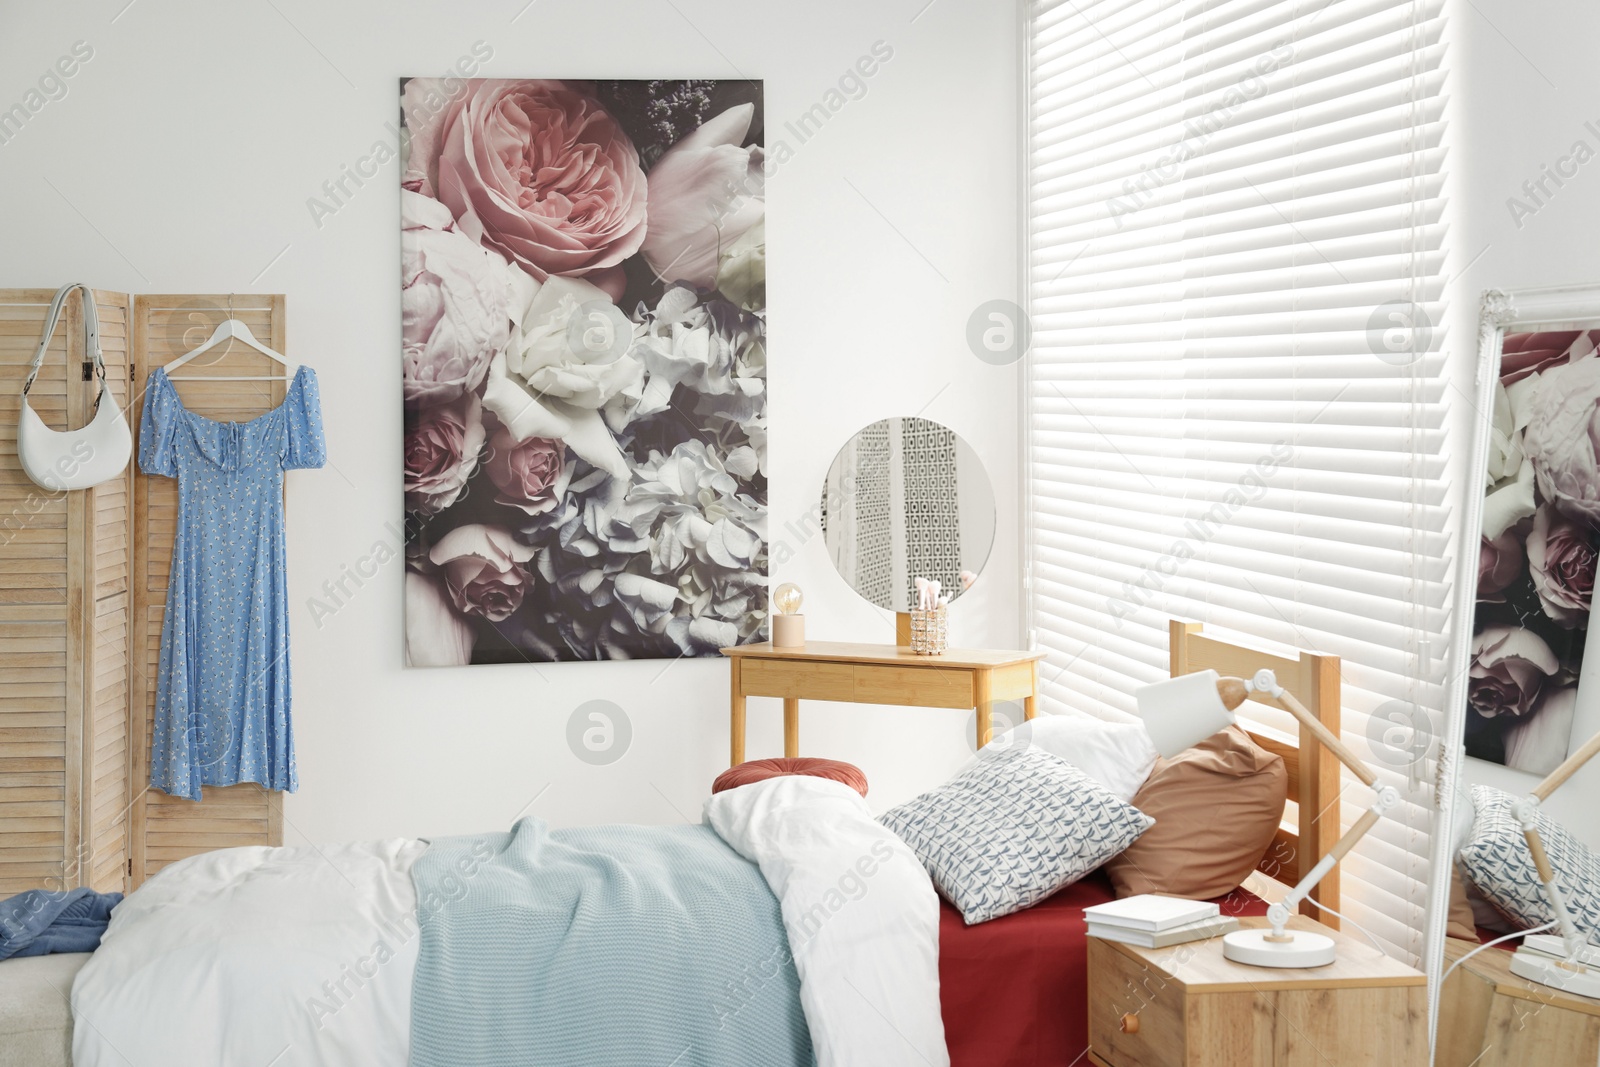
(1011, 830)
(1216, 808)
(1498, 862)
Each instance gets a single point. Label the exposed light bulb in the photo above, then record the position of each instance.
(787, 598)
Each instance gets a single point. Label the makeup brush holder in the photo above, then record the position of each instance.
(930, 634)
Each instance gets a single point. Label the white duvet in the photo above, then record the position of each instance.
(303, 957)
(861, 914)
(247, 957)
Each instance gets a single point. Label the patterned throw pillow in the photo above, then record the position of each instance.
(1010, 831)
(1498, 862)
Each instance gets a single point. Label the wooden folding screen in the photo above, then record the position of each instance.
(64, 665)
(166, 828)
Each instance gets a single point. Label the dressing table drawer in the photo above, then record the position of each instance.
(799, 679)
(929, 687)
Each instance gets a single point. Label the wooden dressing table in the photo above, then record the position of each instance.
(877, 674)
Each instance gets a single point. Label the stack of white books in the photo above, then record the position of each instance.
(1152, 921)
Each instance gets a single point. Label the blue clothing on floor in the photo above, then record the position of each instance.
(42, 920)
(222, 691)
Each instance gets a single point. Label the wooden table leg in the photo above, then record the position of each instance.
(791, 727)
(736, 717)
(1030, 703)
(985, 707)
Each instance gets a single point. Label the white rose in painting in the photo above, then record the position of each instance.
(715, 349)
(1509, 496)
(1563, 438)
(454, 304)
(566, 367)
(742, 273)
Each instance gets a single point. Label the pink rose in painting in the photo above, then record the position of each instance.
(531, 474)
(1499, 564)
(705, 193)
(1525, 354)
(436, 635)
(1509, 669)
(442, 446)
(455, 304)
(1561, 559)
(535, 170)
(482, 567)
(1562, 435)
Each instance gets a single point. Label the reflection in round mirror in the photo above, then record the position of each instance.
(905, 499)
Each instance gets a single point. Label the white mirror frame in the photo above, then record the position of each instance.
(1500, 310)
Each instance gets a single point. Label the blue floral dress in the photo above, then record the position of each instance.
(222, 695)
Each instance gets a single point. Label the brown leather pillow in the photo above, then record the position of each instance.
(1216, 808)
(1460, 923)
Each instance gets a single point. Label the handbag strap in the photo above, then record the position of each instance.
(91, 334)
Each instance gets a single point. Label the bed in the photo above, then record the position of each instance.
(1014, 990)
(1010, 992)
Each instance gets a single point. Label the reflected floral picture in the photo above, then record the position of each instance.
(1536, 562)
(583, 328)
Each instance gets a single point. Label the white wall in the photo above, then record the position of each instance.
(1523, 85)
(181, 160)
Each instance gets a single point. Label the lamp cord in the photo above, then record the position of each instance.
(1352, 922)
(1491, 944)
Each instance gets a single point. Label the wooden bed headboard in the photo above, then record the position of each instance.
(1311, 823)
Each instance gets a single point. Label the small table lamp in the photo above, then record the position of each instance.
(788, 625)
(1181, 713)
(1567, 962)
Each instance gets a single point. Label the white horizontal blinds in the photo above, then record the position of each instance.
(1236, 407)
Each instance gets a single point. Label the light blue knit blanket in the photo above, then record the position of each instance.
(608, 946)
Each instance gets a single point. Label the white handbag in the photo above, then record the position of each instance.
(82, 458)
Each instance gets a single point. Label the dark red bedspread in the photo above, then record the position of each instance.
(1015, 990)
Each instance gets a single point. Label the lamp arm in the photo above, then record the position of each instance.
(1266, 682)
(1387, 797)
(1526, 813)
(1278, 914)
(1570, 936)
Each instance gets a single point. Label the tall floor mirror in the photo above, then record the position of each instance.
(1522, 982)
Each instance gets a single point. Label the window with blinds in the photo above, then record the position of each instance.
(1236, 393)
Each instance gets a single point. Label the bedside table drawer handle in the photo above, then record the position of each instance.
(1130, 1023)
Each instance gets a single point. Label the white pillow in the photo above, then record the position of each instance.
(1014, 828)
(1498, 862)
(1118, 755)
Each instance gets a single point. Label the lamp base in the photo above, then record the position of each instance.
(1555, 947)
(1303, 949)
(1576, 978)
(788, 631)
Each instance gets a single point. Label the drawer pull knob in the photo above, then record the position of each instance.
(1130, 1023)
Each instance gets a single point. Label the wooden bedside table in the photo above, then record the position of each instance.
(876, 674)
(1489, 1017)
(1187, 1006)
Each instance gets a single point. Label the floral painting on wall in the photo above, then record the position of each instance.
(583, 302)
(1536, 563)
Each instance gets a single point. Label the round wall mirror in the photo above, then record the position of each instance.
(907, 498)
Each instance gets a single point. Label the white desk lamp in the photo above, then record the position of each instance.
(1567, 962)
(1184, 711)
